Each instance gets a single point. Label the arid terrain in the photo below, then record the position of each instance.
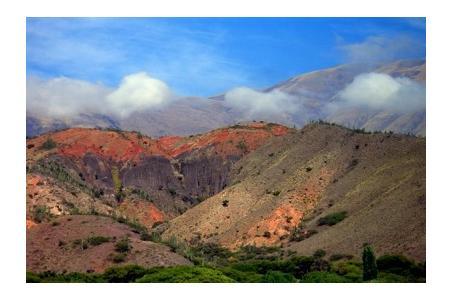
(224, 149)
(100, 198)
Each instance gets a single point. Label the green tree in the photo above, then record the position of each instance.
(369, 264)
(48, 144)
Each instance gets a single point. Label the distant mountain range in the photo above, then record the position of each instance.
(311, 96)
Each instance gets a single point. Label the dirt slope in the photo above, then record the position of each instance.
(59, 246)
(378, 179)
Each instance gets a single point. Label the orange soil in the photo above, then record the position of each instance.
(311, 190)
(127, 146)
(279, 223)
(30, 223)
(145, 212)
(155, 214)
(286, 217)
(225, 140)
(35, 185)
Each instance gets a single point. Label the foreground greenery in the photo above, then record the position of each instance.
(251, 264)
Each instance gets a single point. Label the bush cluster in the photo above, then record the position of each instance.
(41, 213)
(332, 219)
(48, 144)
(293, 269)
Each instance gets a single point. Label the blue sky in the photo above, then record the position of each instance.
(208, 56)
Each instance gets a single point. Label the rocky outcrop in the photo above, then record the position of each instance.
(176, 173)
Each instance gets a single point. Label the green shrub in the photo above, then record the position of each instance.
(390, 278)
(276, 193)
(211, 252)
(349, 269)
(118, 257)
(83, 244)
(153, 236)
(248, 252)
(76, 243)
(41, 213)
(323, 277)
(241, 276)
(97, 240)
(173, 243)
(124, 274)
(278, 277)
(320, 253)
(184, 274)
(201, 198)
(299, 265)
(335, 257)
(63, 278)
(396, 264)
(32, 278)
(332, 219)
(48, 144)
(123, 245)
(400, 265)
(320, 265)
(256, 266)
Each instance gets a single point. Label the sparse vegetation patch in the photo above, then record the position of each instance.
(123, 246)
(48, 144)
(41, 213)
(332, 219)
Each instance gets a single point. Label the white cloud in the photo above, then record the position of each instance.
(253, 103)
(136, 92)
(64, 97)
(381, 91)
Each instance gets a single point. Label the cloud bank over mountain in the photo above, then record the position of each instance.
(256, 104)
(138, 92)
(64, 97)
(383, 92)
(385, 97)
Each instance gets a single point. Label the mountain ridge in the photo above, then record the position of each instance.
(313, 90)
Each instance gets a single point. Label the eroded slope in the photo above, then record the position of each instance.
(292, 181)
